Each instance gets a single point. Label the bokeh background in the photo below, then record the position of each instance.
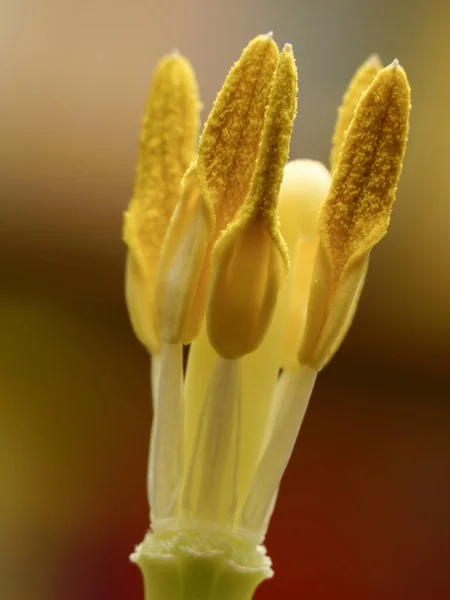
(364, 507)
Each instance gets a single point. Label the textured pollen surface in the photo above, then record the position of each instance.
(274, 148)
(248, 271)
(356, 213)
(359, 84)
(229, 143)
(166, 148)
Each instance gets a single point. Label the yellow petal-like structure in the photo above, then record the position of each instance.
(356, 214)
(359, 84)
(250, 258)
(166, 148)
(215, 187)
(229, 145)
(228, 206)
(183, 277)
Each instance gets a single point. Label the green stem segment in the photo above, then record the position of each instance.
(193, 565)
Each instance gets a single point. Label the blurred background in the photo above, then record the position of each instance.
(364, 507)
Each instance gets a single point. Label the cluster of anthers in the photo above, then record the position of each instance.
(258, 266)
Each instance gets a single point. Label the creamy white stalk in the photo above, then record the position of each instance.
(155, 370)
(211, 476)
(289, 407)
(166, 445)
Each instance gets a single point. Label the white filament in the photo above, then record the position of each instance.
(155, 371)
(290, 403)
(166, 445)
(210, 491)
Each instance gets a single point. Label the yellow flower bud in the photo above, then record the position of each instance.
(304, 189)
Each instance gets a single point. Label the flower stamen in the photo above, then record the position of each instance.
(167, 146)
(356, 214)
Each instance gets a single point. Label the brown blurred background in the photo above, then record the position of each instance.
(364, 508)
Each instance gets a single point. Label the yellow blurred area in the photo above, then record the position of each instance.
(60, 391)
(74, 400)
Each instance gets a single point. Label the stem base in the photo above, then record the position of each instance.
(200, 565)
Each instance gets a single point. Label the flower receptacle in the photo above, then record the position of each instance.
(200, 565)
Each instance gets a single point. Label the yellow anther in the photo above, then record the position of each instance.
(250, 256)
(359, 84)
(167, 146)
(229, 144)
(236, 179)
(356, 213)
(183, 275)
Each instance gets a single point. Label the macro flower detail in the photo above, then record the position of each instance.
(167, 147)
(356, 213)
(257, 265)
(358, 85)
(229, 198)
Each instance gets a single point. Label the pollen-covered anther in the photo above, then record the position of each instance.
(358, 85)
(250, 258)
(356, 214)
(166, 148)
(215, 188)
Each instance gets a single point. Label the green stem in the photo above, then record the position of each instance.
(193, 565)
